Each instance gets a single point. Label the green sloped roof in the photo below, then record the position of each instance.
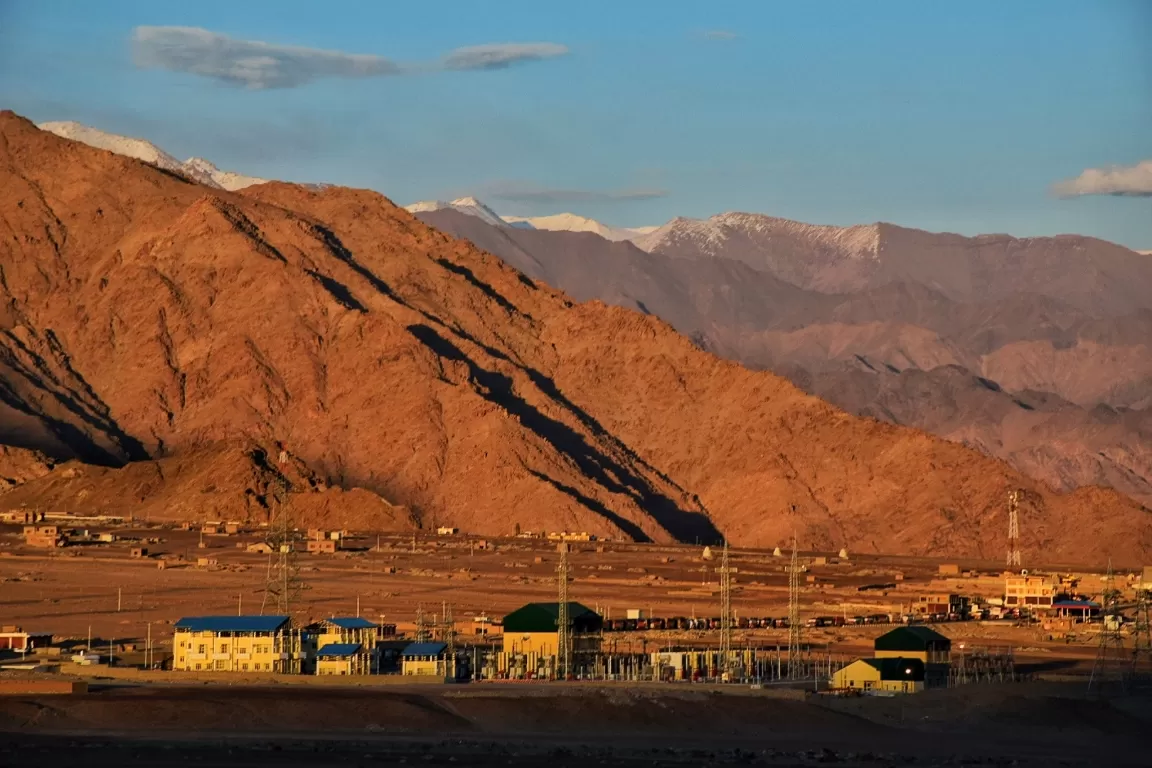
(542, 617)
(912, 638)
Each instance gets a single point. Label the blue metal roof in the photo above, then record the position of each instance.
(232, 623)
(339, 649)
(424, 649)
(353, 622)
(1075, 604)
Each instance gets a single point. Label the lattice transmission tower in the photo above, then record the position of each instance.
(1111, 648)
(563, 621)
(282, 586)
(726, 664)
(1014, 497)
(795, 637)
(1142, 635)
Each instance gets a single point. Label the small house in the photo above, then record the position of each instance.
(322, 546)
(425, 659)
(343, 659)
(891, 675)
(260, 548)
(138, 552)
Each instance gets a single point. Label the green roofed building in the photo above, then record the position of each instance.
(533, 629)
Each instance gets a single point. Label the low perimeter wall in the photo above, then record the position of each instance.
(14, 687)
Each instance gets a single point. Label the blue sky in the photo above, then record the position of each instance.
(945, 116)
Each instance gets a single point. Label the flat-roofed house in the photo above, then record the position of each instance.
(343, 659)
(425, 659)
(238, 644)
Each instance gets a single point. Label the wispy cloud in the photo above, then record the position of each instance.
(248, 63)
(1124, 181)
(501, 55)
(720, 34)
(523, 192)
(258, 65)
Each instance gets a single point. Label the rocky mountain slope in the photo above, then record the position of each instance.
(975, 371)
(148, 319)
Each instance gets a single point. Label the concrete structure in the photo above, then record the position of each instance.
(14, 638)
(231, 528)
(323, 546)
(238, 644)
(46, 536)
(1077, 610)
(949, 569)
(445, 530)
(940, 603)
(1024, 591)
(260, 548)
(138, 552)
(890, 675)
(425, 660)
(533, 629)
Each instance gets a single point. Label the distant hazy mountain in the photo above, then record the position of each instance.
(1044, 375)
(195, 168)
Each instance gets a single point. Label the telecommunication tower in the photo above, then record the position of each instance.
(725, 612)
(1014, 528)
(283, 580)
(563, 621)
(795, 666)
(1111, 642)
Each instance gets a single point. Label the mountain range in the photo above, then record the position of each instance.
(172, 349)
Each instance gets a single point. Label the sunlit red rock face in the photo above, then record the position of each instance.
(155, 322)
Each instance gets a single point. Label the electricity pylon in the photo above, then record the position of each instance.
(282, 586)
(1111, 642)
(726, 664)
(795, 666)
(563, 622)
(1014, 528)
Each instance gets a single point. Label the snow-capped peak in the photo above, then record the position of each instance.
(570, 222)
(195, 168)
(466, 205)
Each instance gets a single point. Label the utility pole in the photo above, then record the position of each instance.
(795, 667)
(563, 622)
(725, 613)
(119, 595)
(1014, 528)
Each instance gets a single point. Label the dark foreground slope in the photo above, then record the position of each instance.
(146, 318)
(1027, 725)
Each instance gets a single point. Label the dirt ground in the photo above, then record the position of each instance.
(99, 588)
(1024, 725)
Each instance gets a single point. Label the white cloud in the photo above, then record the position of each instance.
(248, 63)
(1126, 181)
(501, 55)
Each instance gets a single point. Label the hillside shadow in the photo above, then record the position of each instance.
(610, 474)
(338, 291)
(479, 284)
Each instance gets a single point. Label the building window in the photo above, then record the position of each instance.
(197, 666)
(244, 666)
(200, 649)
(224, 648)
(220, 664)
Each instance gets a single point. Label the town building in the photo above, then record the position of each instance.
(941, 604)
(322, 546)
(1077, 610)
(890, 674)
(425, 660)
(13, 638)
(1024, 591)
(238, 644)
(46, 536)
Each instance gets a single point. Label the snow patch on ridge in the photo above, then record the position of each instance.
(857, 242)
(195, 168)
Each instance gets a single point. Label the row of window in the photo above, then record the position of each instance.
(224, 648)
(222, 665)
